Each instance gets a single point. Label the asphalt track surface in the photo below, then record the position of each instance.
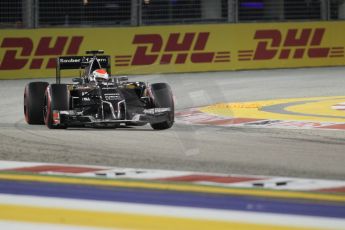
(233, 150)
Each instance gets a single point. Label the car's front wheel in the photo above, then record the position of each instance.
(56, 99)
(162, 97)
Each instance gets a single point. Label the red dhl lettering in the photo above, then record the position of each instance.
(19, 51)
(296, 44)
(178, 49)
(268, 50)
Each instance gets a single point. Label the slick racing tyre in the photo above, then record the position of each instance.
(162, 98)
(34, 102)
(56, 99)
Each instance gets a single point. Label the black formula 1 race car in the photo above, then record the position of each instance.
(97, 99)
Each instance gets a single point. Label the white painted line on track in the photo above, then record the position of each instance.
(7, 225)
(214, 179)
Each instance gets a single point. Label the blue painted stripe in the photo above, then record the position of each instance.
(173, 198)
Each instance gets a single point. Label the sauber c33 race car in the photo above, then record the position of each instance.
(97, 99)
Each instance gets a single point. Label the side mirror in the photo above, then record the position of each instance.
(118, 80)
(123, 78)
(77, 80)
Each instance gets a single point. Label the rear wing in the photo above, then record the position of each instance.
(79, 62)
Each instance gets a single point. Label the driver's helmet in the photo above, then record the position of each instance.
(99, 75)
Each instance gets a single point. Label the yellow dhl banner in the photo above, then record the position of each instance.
(165, 49)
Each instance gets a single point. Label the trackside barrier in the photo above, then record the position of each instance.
(189, 48)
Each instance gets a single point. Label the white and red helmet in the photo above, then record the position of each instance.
(99, 75)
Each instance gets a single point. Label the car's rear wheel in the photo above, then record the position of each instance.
(162, 97)
(56, 99)
(34, 102)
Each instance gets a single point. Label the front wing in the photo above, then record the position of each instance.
(73, 118)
